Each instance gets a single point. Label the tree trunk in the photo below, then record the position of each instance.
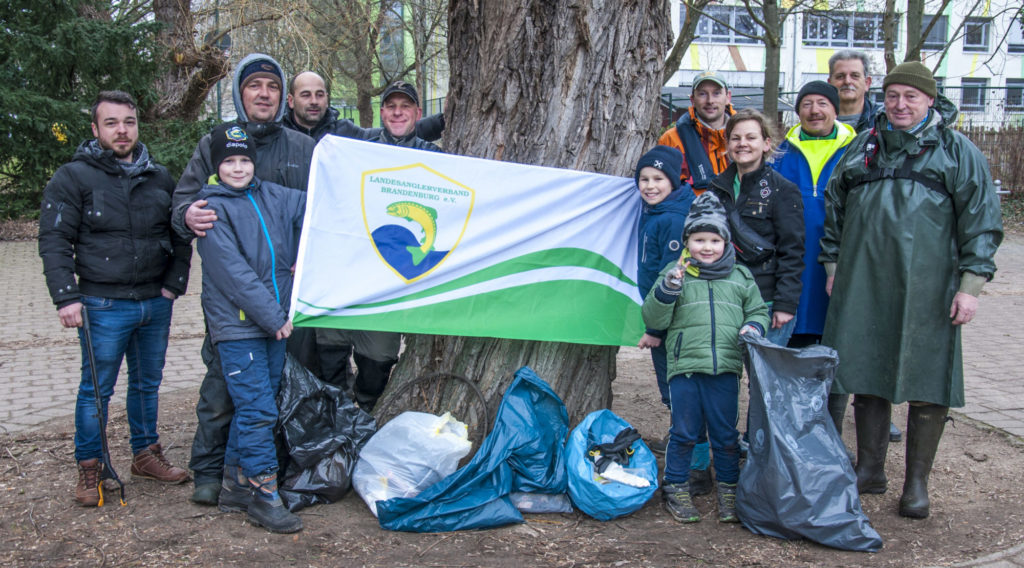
(687, 31)
(563, 84)
(772, 58)
(915, 14)
(889, 20)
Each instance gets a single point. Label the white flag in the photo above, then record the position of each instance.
(420, 242)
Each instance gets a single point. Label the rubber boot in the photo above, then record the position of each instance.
(871, 415)
(370, 380)
(924, 430)
(837, 410)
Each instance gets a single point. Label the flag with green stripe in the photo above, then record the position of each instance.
(419, 242)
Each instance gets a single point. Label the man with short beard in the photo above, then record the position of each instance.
(849, 72)
(106, 218)
(310, 113)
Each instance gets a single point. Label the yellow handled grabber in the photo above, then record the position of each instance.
(107, 471)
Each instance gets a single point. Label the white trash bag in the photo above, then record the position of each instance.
(409, 454)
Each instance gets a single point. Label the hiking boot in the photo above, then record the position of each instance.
(727, 503)
(87, 491)
(871, 418)
(678, 502)
(206, 494)
(266, 508)
(700, 482)
(235, 491)
(151, 464)
(659, 446)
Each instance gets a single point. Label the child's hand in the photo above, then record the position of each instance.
(648, 341)
(674, 277)
(284, 332)
(749, 329)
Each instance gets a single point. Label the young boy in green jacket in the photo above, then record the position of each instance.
(705, 302)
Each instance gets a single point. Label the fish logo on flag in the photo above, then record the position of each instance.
(415, 217)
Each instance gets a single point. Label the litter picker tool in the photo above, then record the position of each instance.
(107, 471)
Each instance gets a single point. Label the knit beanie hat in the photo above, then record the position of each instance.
(819, 88)
(229, 140)
(665, 158)
(260, 68)
(707, 214)
(914, 74)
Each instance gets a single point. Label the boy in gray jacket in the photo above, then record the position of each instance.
(247, 281)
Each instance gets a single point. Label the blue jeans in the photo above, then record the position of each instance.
(252, 371)
(132, 329)
(700, 399)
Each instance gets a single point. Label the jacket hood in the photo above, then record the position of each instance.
(944, 109)
(236, 91)
(214, 188)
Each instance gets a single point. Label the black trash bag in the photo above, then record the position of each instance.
(798, 481)
(322, 431)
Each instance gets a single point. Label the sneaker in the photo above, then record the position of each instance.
(87, 491)
(678, 502)
(700, 482)
(235, 493)
(266, 508)
(206, 493)
(151, 464)
(727, 503)
(659, 446)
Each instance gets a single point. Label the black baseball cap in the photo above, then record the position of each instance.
(400, 87)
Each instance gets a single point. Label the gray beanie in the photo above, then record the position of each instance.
(707, 214)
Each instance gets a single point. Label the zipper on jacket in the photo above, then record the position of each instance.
(273, 257)
(714, 353)
(679, 344)
(643, 257)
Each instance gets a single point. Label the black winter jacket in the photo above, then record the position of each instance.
(111, 227)
(772, 206)
(427, 128)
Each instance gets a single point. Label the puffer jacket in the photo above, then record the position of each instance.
(112, 227)
(704, 320)
(247, 258)
(770, 205)
(283, 155)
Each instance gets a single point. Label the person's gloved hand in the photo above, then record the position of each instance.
(749, 329)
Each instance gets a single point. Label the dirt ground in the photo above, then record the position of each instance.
(977, 509)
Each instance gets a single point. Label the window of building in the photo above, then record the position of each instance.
(843, 29)
(972, 94)
(731, 25)
(936, 39)
(1015, 94)
(976, 31)
(1015, 37)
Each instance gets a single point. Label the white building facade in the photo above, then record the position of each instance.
(976, 48)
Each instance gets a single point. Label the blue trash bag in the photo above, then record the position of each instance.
(523, 453)
(605, 500)
(798, 481)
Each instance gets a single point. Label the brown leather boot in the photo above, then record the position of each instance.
(87, 491)
(151, 463)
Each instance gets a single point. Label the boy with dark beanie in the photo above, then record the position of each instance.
(247, 259)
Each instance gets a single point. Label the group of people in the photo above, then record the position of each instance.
(868, 230)
(115, 235)
(739, 234)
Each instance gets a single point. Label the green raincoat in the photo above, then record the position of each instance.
(900, 248)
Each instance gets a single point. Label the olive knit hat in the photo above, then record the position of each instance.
(914, 74)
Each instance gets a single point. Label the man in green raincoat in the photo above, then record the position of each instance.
(912, 227)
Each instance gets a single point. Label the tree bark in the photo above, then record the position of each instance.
(772, 58)
(563, 84)
(915, 13)
(889, 20)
